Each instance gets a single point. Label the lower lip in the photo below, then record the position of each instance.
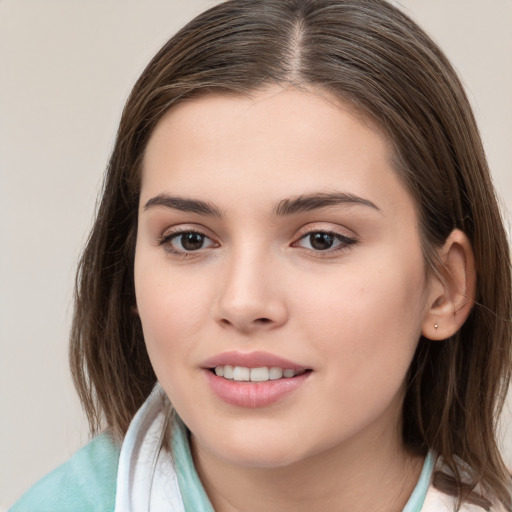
(254, 394)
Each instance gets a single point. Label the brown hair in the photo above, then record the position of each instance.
(374, 56)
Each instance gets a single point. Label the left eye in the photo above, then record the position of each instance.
(187, 241)
(324, 241)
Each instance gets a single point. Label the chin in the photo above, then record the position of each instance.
(263, 449)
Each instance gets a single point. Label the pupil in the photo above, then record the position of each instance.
(321, 241)
(192, 241)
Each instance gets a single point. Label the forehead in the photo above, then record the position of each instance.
(262, 105)
(277, 142)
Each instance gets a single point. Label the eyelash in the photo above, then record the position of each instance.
(166, 242)
(344, 242)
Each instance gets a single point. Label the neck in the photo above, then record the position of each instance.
(378, 476)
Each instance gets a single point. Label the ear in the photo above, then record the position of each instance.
(452, 290)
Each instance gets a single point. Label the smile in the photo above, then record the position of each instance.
(254, 379)
(262, 374)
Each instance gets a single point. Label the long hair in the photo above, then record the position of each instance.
(372, 55)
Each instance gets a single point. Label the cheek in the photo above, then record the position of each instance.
(169, 310)
(171, 315)
(369, 317)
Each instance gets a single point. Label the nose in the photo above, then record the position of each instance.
(251, 296)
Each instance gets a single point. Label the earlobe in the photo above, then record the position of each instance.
(452, 289)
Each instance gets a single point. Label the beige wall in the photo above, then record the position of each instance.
(66, 68)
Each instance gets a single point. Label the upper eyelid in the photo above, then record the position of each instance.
(326, 232)
(325, 227)
(186, 228)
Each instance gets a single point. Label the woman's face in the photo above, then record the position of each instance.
(275, 235)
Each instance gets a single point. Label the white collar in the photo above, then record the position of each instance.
(147, 481)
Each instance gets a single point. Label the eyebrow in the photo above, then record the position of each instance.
(184, 205)
(289, 206)
(305, 203)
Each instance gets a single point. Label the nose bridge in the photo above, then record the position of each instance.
(250, 296)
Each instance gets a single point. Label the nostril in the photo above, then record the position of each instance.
(247, 323)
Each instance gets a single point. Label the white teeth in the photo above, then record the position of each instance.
(261, 374)
(241, 373)
(275, 373)
(228, 372)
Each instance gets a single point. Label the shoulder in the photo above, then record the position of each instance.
(85, 483)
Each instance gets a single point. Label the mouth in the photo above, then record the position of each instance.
(255, 379)
(260, 374)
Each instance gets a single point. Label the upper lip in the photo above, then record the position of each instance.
(251, 360)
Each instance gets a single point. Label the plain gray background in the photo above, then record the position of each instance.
(66, 68)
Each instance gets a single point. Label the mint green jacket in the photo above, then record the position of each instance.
(85, 483)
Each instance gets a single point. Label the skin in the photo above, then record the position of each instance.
(352, 314)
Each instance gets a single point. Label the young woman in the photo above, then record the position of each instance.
(296, 294)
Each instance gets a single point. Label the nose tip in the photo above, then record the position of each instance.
(250, 300)
(247, 317)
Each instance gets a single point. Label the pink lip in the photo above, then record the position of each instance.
(253, 394)
(251, 360)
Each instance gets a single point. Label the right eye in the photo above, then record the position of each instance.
(184, 242)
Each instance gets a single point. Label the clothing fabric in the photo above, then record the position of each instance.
(85, 483)
(141, 476)
(148, 479)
